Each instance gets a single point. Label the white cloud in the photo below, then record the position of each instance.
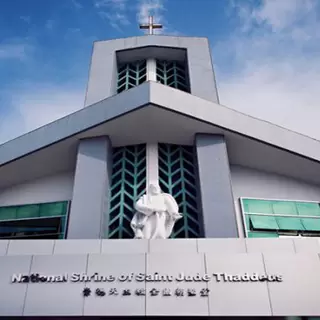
(116, 19)
(282, 14)
(26, 19)
(35, 108)
(114, 11)
(76, 4)
(275, 66)
(115, 4)
(14, 50)
(275, 14)
(50, 24)
(153, 8)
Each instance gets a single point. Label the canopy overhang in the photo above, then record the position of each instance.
(156, 113)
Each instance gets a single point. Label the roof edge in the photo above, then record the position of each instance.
(151, 35)
(74, 123)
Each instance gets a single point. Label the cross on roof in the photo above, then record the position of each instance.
(151, 26)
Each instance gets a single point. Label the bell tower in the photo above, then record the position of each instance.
(183, 64)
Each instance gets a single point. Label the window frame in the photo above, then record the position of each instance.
(65, 216)
(280, 232)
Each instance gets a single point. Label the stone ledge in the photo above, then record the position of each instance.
(127, 246)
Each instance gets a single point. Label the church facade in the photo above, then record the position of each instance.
(248, 193)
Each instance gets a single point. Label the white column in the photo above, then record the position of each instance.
(152, 148)
(152, 163)
(151, 70)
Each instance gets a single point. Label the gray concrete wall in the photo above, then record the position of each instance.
(296, 260)
(89, 205)
(47, 189)
(251, 183)
(102, 73)
(201, 69)
(103, 69)
(215, 192)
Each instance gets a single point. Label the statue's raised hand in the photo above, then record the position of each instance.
(176, 215)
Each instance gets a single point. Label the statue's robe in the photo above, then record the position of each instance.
(155, 216)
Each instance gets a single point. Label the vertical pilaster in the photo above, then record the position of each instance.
(151, 69)
(152, 163)
(89, 204)
(216, 197)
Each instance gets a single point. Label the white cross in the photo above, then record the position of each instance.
(151, 26)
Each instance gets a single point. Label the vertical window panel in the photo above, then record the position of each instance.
(128, 184)
(131, 75)
(177, 177)
(173, 74)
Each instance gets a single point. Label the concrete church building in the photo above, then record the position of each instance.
(248, 192)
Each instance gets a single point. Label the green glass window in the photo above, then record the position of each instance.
(274, 217)
(177, 177)
(128, 184)
(53, 209)
(172, 74)
(34, 221)
(257, 206)
(8, 213)
(263, 235)
(131, 75)
(288, 223)
(311, 224)
(264, 222)
(308, 209)
(28, 211)
(284, 207)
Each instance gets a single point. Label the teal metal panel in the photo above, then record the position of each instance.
(177, 177)
(128, 183)
(172, 74)
(131, 75)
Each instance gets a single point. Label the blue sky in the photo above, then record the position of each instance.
(265, 53)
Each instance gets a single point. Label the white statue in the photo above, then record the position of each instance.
(156, 214)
